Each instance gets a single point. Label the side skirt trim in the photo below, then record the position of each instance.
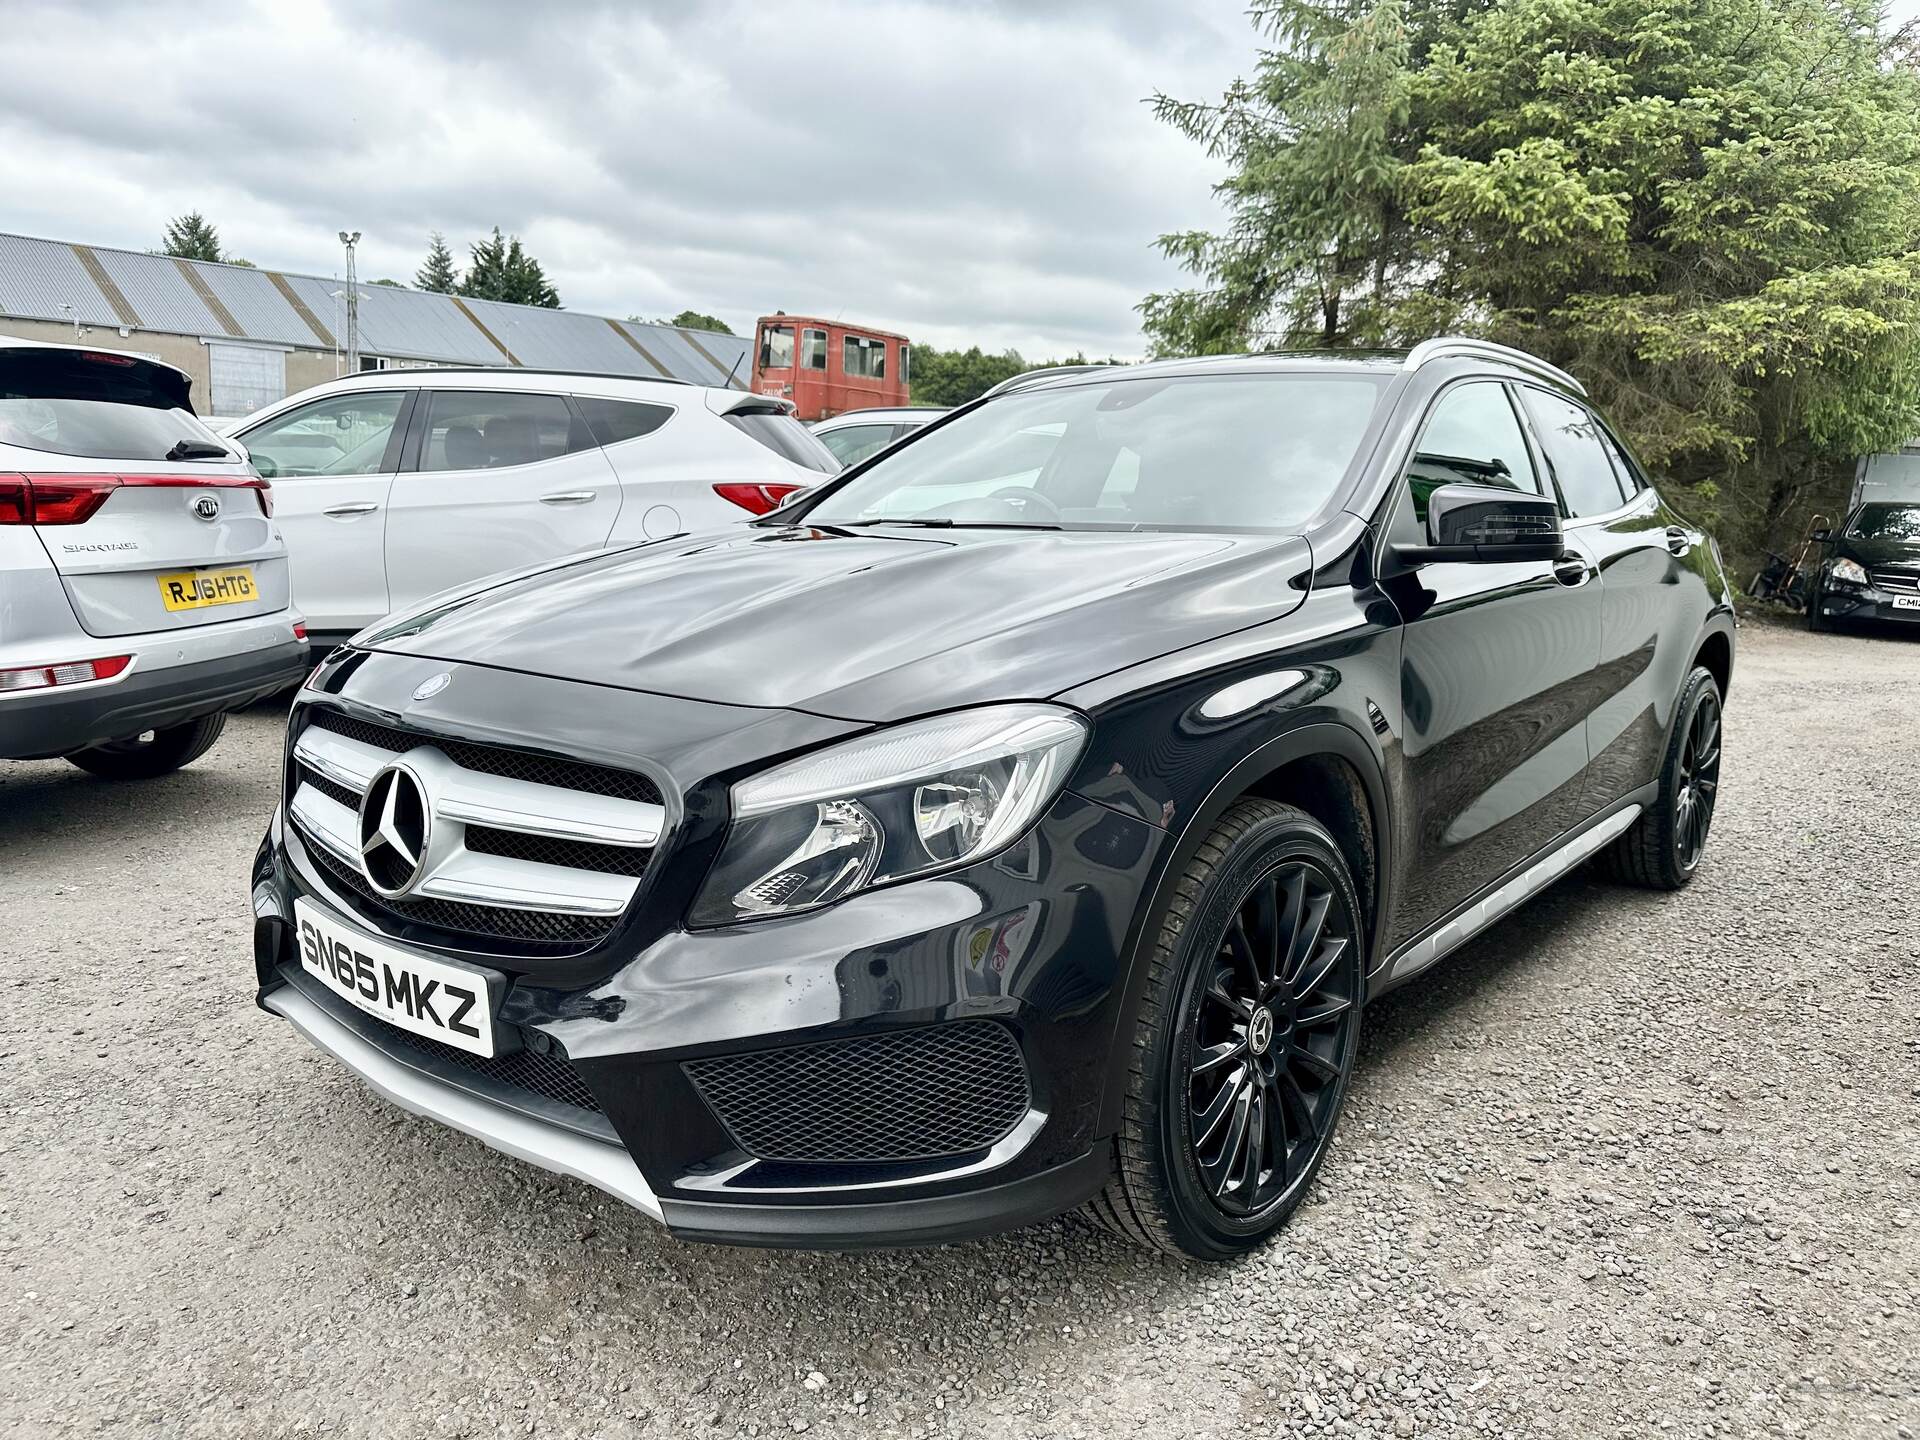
(1451, 933)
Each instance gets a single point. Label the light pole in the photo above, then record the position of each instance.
(353, 304)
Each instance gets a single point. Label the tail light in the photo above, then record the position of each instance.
(72, 672)
(758, 499)
(299, 629)
(74, 499)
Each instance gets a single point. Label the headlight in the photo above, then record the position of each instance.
(1848, 572)
(902, 802)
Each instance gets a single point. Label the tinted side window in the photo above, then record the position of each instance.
(612, 421)
(1571, 436)
(491, 430)
(1472, 438)
(341, 435)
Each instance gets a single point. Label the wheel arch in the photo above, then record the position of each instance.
(1715, 651)
(1323, 767)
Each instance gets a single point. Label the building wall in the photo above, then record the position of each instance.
(188, 352)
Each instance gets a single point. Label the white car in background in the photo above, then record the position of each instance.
(853, 435)
(143, 583)
(392, 485)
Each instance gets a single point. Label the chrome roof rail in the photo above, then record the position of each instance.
(1451, 345)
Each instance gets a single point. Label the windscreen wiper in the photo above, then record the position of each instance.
(197, 450)
(944, 524)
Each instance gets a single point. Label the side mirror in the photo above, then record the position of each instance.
(1488, 524)
(1821, 536)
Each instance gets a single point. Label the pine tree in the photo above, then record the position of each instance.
(438, 274)
(190, 237)
(502, 270)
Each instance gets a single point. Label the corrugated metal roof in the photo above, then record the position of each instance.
(38, 276)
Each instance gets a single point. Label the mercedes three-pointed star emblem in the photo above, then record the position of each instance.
(396, 823)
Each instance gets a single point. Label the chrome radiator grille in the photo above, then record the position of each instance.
(514, 850)
(1906, 582)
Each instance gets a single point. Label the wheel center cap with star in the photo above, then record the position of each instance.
(1260, 1031)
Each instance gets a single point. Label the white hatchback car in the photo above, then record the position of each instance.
(392, 485)
(143, 584)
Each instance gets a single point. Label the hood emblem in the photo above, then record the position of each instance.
(429, 688)
(205, 507)
(396, 826)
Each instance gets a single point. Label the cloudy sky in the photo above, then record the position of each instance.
(961, 170)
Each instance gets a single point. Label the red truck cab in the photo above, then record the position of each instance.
(825, 367)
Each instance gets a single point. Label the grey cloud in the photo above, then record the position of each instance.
(959, 171)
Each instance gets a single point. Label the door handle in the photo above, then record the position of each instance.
(358, 507)
(569, 497)
(1571, 570)
(1680, 541)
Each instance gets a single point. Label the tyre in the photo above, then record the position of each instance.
(1245, 1041)
(1817, 622)
(1663, 848)
(158, 752)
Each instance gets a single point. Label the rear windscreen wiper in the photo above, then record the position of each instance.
(197, 450)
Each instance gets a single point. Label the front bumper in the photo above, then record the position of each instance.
(1031, 941)
(1868, 604)
(170, 683)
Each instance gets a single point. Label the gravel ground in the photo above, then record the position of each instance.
(1632, 1163)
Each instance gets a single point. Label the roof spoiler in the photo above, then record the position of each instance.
(145, 381)
(732, 402)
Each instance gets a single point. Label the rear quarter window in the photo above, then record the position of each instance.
(612, 421)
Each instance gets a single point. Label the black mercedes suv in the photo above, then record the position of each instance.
(1018, 821)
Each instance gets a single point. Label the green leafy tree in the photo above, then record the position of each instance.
(953, 377)
(391, 284)
(694, 320)
(190, 237)
(438, 274)
(1709, 212)
(502, 270)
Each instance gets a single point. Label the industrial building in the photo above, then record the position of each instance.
(250, 336)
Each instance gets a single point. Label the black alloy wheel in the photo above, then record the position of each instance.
(1663, 848)
(1268, 1037)
(1237, 1063)
(1699, 781)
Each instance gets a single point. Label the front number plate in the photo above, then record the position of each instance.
(197, 589)
(450, 1003)
(1906, 602)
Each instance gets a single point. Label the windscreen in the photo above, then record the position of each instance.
(99, 404)
(1259, 451)
(786, 437)
(102, 429)
(1888, 522)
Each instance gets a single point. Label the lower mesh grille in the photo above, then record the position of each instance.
(912, 1095)
(549, 1076)
(535, 927)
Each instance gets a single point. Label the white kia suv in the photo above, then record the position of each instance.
(392, 485)
(143, 584)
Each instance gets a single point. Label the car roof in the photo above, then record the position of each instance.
(1450, 347)
(515, 377)
(883, 412)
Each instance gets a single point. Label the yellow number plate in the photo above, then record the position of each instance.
(197, 589)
